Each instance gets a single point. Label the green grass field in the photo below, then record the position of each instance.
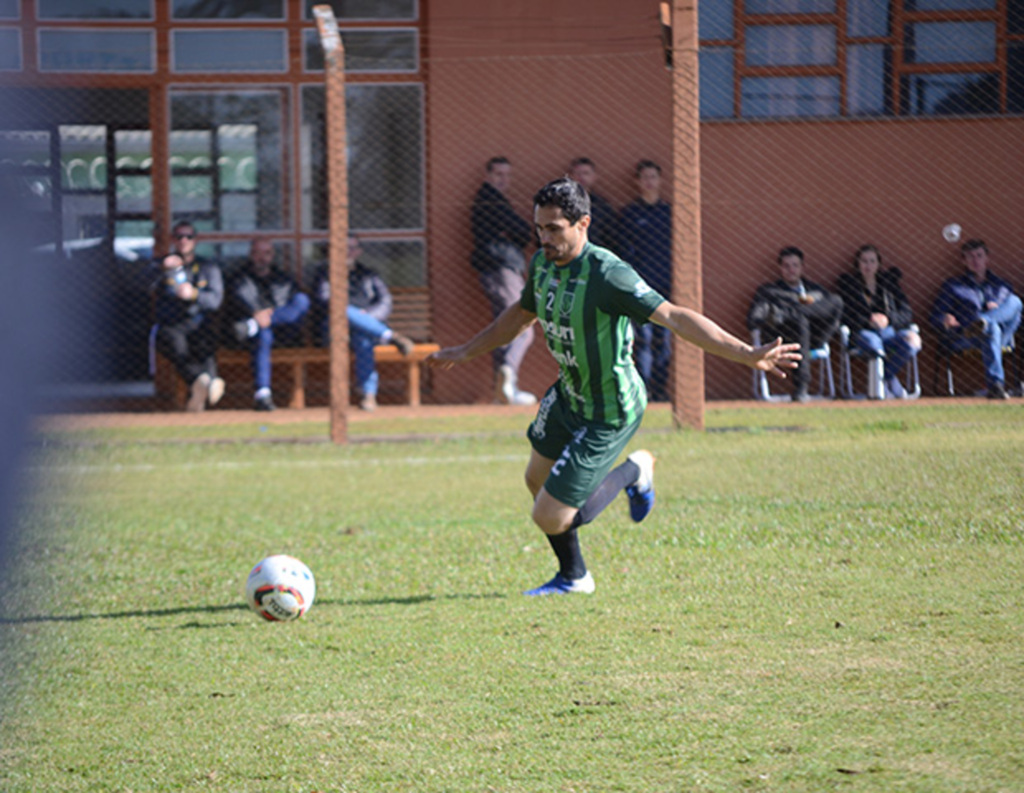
(822, 600)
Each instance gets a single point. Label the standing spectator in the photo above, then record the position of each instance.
(265, 302)
(500, 237)
(979, 309)
(188, 293)
(604, 220)
(646, 242)
(799, 311)
(369, 306)
(878, 314)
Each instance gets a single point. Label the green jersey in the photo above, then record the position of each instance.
(584, 309)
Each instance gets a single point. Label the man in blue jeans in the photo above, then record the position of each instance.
(979, 309)
(265, 301)
(369, 306)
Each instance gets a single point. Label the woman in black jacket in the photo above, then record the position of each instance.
(878, 315)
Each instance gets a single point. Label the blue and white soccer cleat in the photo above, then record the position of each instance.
(564, 586)
(641, 493)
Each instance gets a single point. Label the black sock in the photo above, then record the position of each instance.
(567, 548)
(618, 478)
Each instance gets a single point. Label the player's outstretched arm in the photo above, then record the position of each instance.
(773, 357)
(508, 324)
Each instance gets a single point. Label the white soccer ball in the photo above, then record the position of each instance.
(280, 588)
(952, 232)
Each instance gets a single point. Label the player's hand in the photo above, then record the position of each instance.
(775, 356)
(447, 357)
(264, 317)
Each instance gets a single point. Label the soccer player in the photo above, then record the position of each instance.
(584, 297)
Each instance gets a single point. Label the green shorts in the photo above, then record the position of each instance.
(584, 451)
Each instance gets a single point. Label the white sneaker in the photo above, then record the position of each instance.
(523, 398)
(199, 393)
(216, 391)
(563, 586)
(641, 492)
(505, 391)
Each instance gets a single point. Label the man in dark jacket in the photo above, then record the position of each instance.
(499, 239)
(799, 311)
(189, 291)
(979, 309)
(264, 299)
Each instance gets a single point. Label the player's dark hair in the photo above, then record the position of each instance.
(973, 245)
(643, 165)
(566, 194)
(790, 250)
(497, 161)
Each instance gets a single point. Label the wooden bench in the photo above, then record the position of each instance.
(410, 316)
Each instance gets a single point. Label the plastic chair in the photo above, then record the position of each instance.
(820, 355)
(944, 354)
(875, 370)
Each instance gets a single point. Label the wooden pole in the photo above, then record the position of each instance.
(337, 202)
(687, 285)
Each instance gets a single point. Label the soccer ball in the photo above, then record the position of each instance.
(280, 588)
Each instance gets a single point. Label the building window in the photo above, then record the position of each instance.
(802, 58)
(385, 157)
(227, 159)
(108, 10)
(10, 50)
(10, 9)
(368, 50)
(393, 10)
(78, 50)
(224, 51)
(228, 9)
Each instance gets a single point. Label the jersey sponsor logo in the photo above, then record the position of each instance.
(557, 332)
(641, 289)
(540, 428)
(565, 358)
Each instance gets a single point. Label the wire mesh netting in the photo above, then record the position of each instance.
(825, 126)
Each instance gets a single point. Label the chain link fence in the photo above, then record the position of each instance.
(824, 125)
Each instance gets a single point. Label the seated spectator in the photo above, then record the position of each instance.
(189, 290)
(369, 306)
(979, 310)
(264, 301)
(877, 312)
(799, 311)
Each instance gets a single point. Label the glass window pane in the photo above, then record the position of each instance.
(96, 51)
(948, 5)
(369, 50)
(132, 149)
(385, 157)
(867, 18)
(367, 9)
(10, 9)
(790, 6)
(715, 19)
(790, 45)
(134, 194)
(228, 9)
(24, 148)
(1015, 77)
(230, 51)
(951, 42)
(716, 82)
(950, 94)
(789, 96)
(867, 69)
(95, 9)
(83, 151)
(1015, 17)
(10, 50)
(228, 142)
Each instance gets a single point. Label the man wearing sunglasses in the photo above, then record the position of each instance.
(190, 291)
